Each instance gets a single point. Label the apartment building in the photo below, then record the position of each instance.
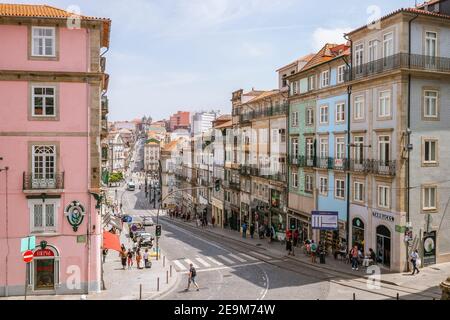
(52, 74)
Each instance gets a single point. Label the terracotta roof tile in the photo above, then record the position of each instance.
(45, 11)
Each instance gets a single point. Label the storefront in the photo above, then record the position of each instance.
(384, 249)
(43, 271)
(358, 233)
(234, 218)
(300, 222)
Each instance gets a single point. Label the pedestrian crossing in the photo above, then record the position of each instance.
(216, 261)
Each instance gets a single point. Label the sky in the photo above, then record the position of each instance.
(170, 55)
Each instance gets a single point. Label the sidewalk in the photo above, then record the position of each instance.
(429, 277)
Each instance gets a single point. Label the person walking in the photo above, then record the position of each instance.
(313, 249)
(252, 229)
(105, 252)
(244, 230)
(295, 237)
(192, 276)
(138, 258)
(414, 260)
(289, 244)
(123, 257)
(130, 258)
(354, 253)
(146, 261)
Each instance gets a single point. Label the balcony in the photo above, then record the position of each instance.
(105, 108)
(40, 182)
(235, 185)
(105, 153)
(399, 61)
(385, 168)
(245, 170)
(104, 129)
(102, 64)
(105, 82)
(272, 111)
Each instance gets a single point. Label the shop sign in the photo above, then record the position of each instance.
(400, 229)
(429, 248)
(383, 216)
(324, 220)
(43, 253)
(81, 239)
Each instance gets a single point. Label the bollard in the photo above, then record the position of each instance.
(171, 271)
(398, 297)
(354, 296)
(164, 261)
(157, 284)
(140, 291)
(167, 277)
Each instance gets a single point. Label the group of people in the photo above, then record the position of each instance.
(250, 228)
(312, 249)
(291, 240)
(128, 256)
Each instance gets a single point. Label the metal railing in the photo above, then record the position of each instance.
(398, 61)
(32, 181)
(271, 111)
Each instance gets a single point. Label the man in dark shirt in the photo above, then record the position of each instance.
(192, 275)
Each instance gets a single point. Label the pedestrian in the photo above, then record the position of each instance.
(147, 263)
(244, 230)
(289, 245)
(138, 258)
(192, 276)
(414, 260)
(130, 258)
(252, 229)
(295, 236)
(123, 258)
(354, 253)
(313, 249)
(105, 252)
(213, 221)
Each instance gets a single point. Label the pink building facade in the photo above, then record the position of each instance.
(51, 83)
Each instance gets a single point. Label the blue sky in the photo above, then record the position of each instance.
(170, 55)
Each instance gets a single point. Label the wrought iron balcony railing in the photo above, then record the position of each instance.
(32, 181)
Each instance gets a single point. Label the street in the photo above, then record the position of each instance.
(230, 269)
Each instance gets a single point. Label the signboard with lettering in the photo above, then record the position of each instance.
(44, 253)
(383, 216)
(324, 220)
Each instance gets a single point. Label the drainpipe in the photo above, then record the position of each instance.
(349, 95)
(408, 116)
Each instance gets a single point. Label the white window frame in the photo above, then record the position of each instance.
(340, 112)
(429, 206)
(294, 146)
(311, 83)
(295, 119)
(44, 228)
(359, 108)
(341, 74)
(43, 96)
(359, 55)
(294, 178)
(429, 141)
(381, 147)
(373, 50)
(339, 186)
(323, 185)
(358, 150)
(388, 44)
(428, 40)
(384, 104)
(340, 148)
(309, 116)
(323, 148)
(427, 98)
(358, 191)
(384, 196)
(323, 114)
(43, 38)
(309, 183)
(309, 148)
(325, 78)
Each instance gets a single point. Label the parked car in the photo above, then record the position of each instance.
(148, 222)
(131, 186)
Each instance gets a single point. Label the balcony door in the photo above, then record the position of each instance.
(384, 147)
(44, 166)
(430, 49)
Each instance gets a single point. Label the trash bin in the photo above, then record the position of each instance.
(322, 257)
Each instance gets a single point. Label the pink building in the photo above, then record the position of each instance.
(51, 115)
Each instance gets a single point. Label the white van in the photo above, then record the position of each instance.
(131, 186)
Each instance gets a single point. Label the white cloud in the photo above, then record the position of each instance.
(321, 36)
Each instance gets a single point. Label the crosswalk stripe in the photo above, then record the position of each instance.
(225, 259)
(237, 258)
(261, 255)
(214, 261)
(203, 262)
(188, 261)
(248, 257)
(179, 265)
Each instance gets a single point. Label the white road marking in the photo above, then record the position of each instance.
(231, 267)
(248, 257)
(179, 265)
(264, 293)
(214, 261)
(203, 262)
(221, 257)
(237, 258)
(261, 255)
(188, 261)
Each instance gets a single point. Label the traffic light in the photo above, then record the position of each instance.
(217, 185)
(158, 230)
